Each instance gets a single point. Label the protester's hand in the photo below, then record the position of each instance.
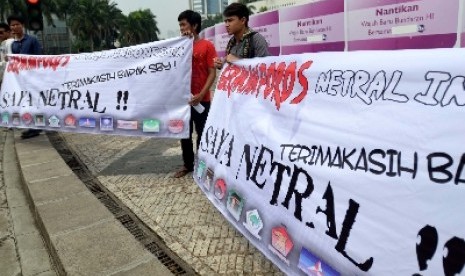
(231, 58)
(218, 63)
(195, 100)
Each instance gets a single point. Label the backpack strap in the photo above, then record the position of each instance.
(230, 45)
(252, 48)
(248, 50)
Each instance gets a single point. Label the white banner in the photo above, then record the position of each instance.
(346, 163)
(138, 90)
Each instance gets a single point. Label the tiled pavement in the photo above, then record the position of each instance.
(139, 172)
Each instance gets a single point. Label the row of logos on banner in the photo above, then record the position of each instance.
(103, 123)
(281, 243)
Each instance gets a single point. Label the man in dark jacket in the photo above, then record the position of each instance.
(24, 44)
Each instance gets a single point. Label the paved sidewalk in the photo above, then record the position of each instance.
(80, 233)
(22, 248)
(139, 172)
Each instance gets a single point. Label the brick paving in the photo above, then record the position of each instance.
(139, 172)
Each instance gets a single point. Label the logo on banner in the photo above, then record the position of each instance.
(201, 170)
(5, 118)
(39, 120)
(208, 179)
(15, 119)
(313, 266)
(27, 119)
(54, 121)
(235, 204)
(176, 126)
(253, 223)
(151, 125)
(87, 122)
(70, 121)
(129, 125)
(106, 123)
(220, 189)
(281, 243)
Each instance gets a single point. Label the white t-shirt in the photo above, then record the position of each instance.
(5, 49)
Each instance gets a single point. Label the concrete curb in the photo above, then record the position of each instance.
(22, 248)
(83, 237)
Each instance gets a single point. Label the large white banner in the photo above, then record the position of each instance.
(138, 90)
(346, 163)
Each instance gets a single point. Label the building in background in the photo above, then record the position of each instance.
(216, 6)
(55, 40)
(213, 7)
(197, 5)
(208, 7)
(277, 4)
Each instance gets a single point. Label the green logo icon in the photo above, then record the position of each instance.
(5, 118)
(151, 125)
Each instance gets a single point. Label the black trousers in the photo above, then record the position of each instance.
(187, 146)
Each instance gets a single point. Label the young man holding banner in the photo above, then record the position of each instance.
(244, 43)
(203, 75)
(24, 44)
(5, 47)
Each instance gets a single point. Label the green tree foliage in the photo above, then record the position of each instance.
(86, 21)
(139, 27)
(113, 22)
(9, 7)
(263, 9)
(94, 24)
(18, 7)
(252, 8)
(211, 20)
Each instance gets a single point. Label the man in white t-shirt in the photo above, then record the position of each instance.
(5, 46)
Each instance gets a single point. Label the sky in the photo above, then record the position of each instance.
(166, 12)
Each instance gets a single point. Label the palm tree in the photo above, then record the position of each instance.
(9, 7)
(140, 27)
(65, 8)
(113, 19)
(94, 23)
(87, 19)
(252, 8)
(49, 8)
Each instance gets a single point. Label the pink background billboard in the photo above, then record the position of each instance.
(210, 34)
(402, 24)
(462, 42)
(312, 27)
(221, 39)
(267, 24)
